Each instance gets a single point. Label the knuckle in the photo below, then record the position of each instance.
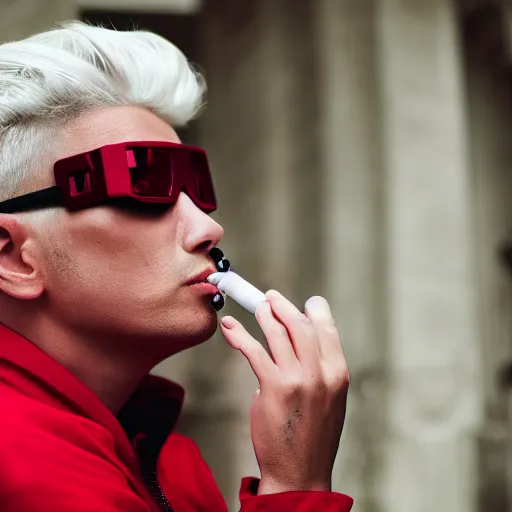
(315, 382)
(254, 349)
(279, 330)
(304, 321)
(316, 386)
(292, 384)
(331, 330)
(305, 325)
(339, 379)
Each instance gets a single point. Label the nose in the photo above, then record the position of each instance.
(200, 231)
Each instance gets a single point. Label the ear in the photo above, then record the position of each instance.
(20, 276)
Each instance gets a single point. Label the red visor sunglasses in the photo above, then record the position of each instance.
(146, 172)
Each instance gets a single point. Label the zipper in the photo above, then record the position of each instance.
(154, 486)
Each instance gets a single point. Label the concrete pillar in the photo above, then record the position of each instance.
(488, 57)
(25, 17)
(434, 390)
(353, 228)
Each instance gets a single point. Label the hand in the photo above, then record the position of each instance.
(298, 412)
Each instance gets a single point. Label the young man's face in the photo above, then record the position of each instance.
(119, 274)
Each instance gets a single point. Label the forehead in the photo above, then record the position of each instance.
(112, 125)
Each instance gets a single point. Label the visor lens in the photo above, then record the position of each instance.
(194, 177)
(154, 171)
(206, 191)
(150, 171)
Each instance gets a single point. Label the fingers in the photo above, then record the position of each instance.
(310, 339)
(299, 327)
(237, 336)
(319, 312)
(277, 337)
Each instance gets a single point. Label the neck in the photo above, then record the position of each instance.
(111, 375)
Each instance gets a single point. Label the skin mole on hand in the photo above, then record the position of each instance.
(289, 429)
(289, 424)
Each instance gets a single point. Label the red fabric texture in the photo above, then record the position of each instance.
(62, 450)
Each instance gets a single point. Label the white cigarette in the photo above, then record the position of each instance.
(240, 290)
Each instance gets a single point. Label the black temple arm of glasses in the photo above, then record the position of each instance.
(39, 199)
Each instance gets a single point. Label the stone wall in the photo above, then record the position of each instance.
(21, 18)
(356, 109)
(434, 401)
(338, 133)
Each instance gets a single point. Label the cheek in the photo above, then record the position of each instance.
(104, 288)
(113, 268)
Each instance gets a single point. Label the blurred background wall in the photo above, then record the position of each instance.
(361, 150)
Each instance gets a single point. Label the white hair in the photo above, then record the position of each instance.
(53, 77)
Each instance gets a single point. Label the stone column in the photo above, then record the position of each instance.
(488, 52)
(24, 17)
(434, 391)
(353, 228)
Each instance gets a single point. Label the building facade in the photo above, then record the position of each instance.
(361, 150)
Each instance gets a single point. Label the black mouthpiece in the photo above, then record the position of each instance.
(218, 302)
(216, 254)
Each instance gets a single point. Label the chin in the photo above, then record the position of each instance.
(194, 327)
(204, 328)
(178, 327)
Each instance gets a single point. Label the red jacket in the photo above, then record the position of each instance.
(62, 450)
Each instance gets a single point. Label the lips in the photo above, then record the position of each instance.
(201, 277)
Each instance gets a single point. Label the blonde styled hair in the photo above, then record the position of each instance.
(55, 76)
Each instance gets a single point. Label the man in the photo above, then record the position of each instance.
(105, 244)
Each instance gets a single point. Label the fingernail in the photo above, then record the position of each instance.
(228, 322)
(272, 294)
(318, 305)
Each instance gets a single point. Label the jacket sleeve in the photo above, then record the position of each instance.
(300, 501)
(191, 482)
